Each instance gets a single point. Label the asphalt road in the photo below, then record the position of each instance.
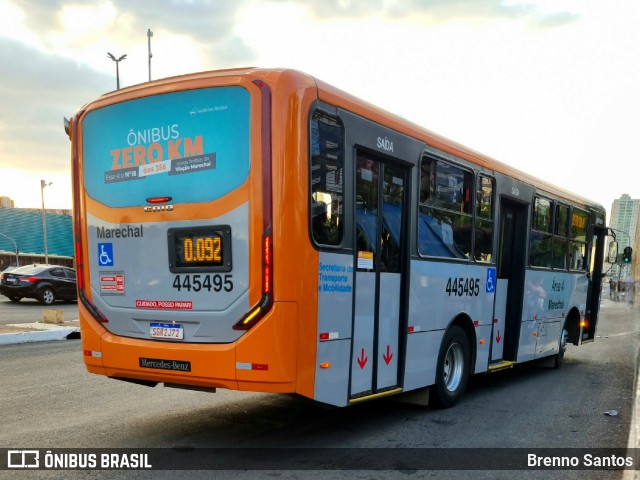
(48, 400)
(28, 310)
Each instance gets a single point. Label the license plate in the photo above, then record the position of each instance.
(167, 330)
(11, 280)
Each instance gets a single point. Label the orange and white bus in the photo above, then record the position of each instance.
(260, 230)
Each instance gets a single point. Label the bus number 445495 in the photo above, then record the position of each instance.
(459, 287)
(198, 282)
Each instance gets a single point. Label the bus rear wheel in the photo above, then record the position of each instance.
(452, 371)
(562, 348)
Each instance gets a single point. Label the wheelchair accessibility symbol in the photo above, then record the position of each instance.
(105, 254)
(491, 280)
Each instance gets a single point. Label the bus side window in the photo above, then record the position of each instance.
(426, 183)
(540, 245)
(560, 237)
(483, 231)
(445, 219)
(327, 179)
(578, 241)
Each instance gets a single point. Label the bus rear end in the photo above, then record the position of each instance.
(172, 220)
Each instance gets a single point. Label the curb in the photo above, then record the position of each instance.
(39, 332)
(634, 428)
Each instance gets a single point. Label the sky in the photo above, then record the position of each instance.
(551, 87)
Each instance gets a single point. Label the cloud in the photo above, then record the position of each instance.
(203, 18)
(59, 69)
(441, 10)
(35, 97)
(208, 24)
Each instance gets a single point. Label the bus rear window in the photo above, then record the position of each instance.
(192, 146)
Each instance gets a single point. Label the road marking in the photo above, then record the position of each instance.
(619, 334)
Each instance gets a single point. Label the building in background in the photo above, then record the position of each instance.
(24, 227)
(6, 202)
(624, 222)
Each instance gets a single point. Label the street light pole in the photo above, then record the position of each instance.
(117, 60)
(44, 184)
(149, 35)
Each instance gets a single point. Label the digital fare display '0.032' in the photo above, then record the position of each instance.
(200, 249)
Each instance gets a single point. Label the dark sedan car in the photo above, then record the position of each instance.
(45, 283)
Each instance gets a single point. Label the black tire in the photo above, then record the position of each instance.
(562, 348)
(47, 297)
(15, 299)
(452, 371)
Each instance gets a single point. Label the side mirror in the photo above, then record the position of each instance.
(612, 256)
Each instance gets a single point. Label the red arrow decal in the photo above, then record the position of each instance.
(498, 337)
(362, 361)
(387, 358)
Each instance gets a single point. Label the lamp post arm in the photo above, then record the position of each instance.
(15, 247)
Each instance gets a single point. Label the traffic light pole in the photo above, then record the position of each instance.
(625, 258)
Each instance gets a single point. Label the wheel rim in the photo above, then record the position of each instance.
(48, 296)
(453, 367)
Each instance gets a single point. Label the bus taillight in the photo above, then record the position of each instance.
(266, 265)
(256, 313)
(159, 199)
(267, 280)
(79, 267)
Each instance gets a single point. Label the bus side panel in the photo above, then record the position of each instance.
(421, 358)
(91, 342)
(548, 339)
(436, 299)
(296, 261)
(335, 308)
(335, 294)
(528, 341)
(440, 291)
(332, 379)
(483, 347)
(548, 298)
(266, 356)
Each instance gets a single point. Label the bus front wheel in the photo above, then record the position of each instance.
(452, 371)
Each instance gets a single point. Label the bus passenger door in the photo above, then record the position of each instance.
(510, 283)
(595, 284)
(380, 261)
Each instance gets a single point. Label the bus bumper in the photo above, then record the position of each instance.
(262, 360)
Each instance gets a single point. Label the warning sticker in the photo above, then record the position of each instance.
(112, 283)
(164, 304)
(365, 260)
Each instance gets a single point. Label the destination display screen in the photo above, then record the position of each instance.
(200, 249)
